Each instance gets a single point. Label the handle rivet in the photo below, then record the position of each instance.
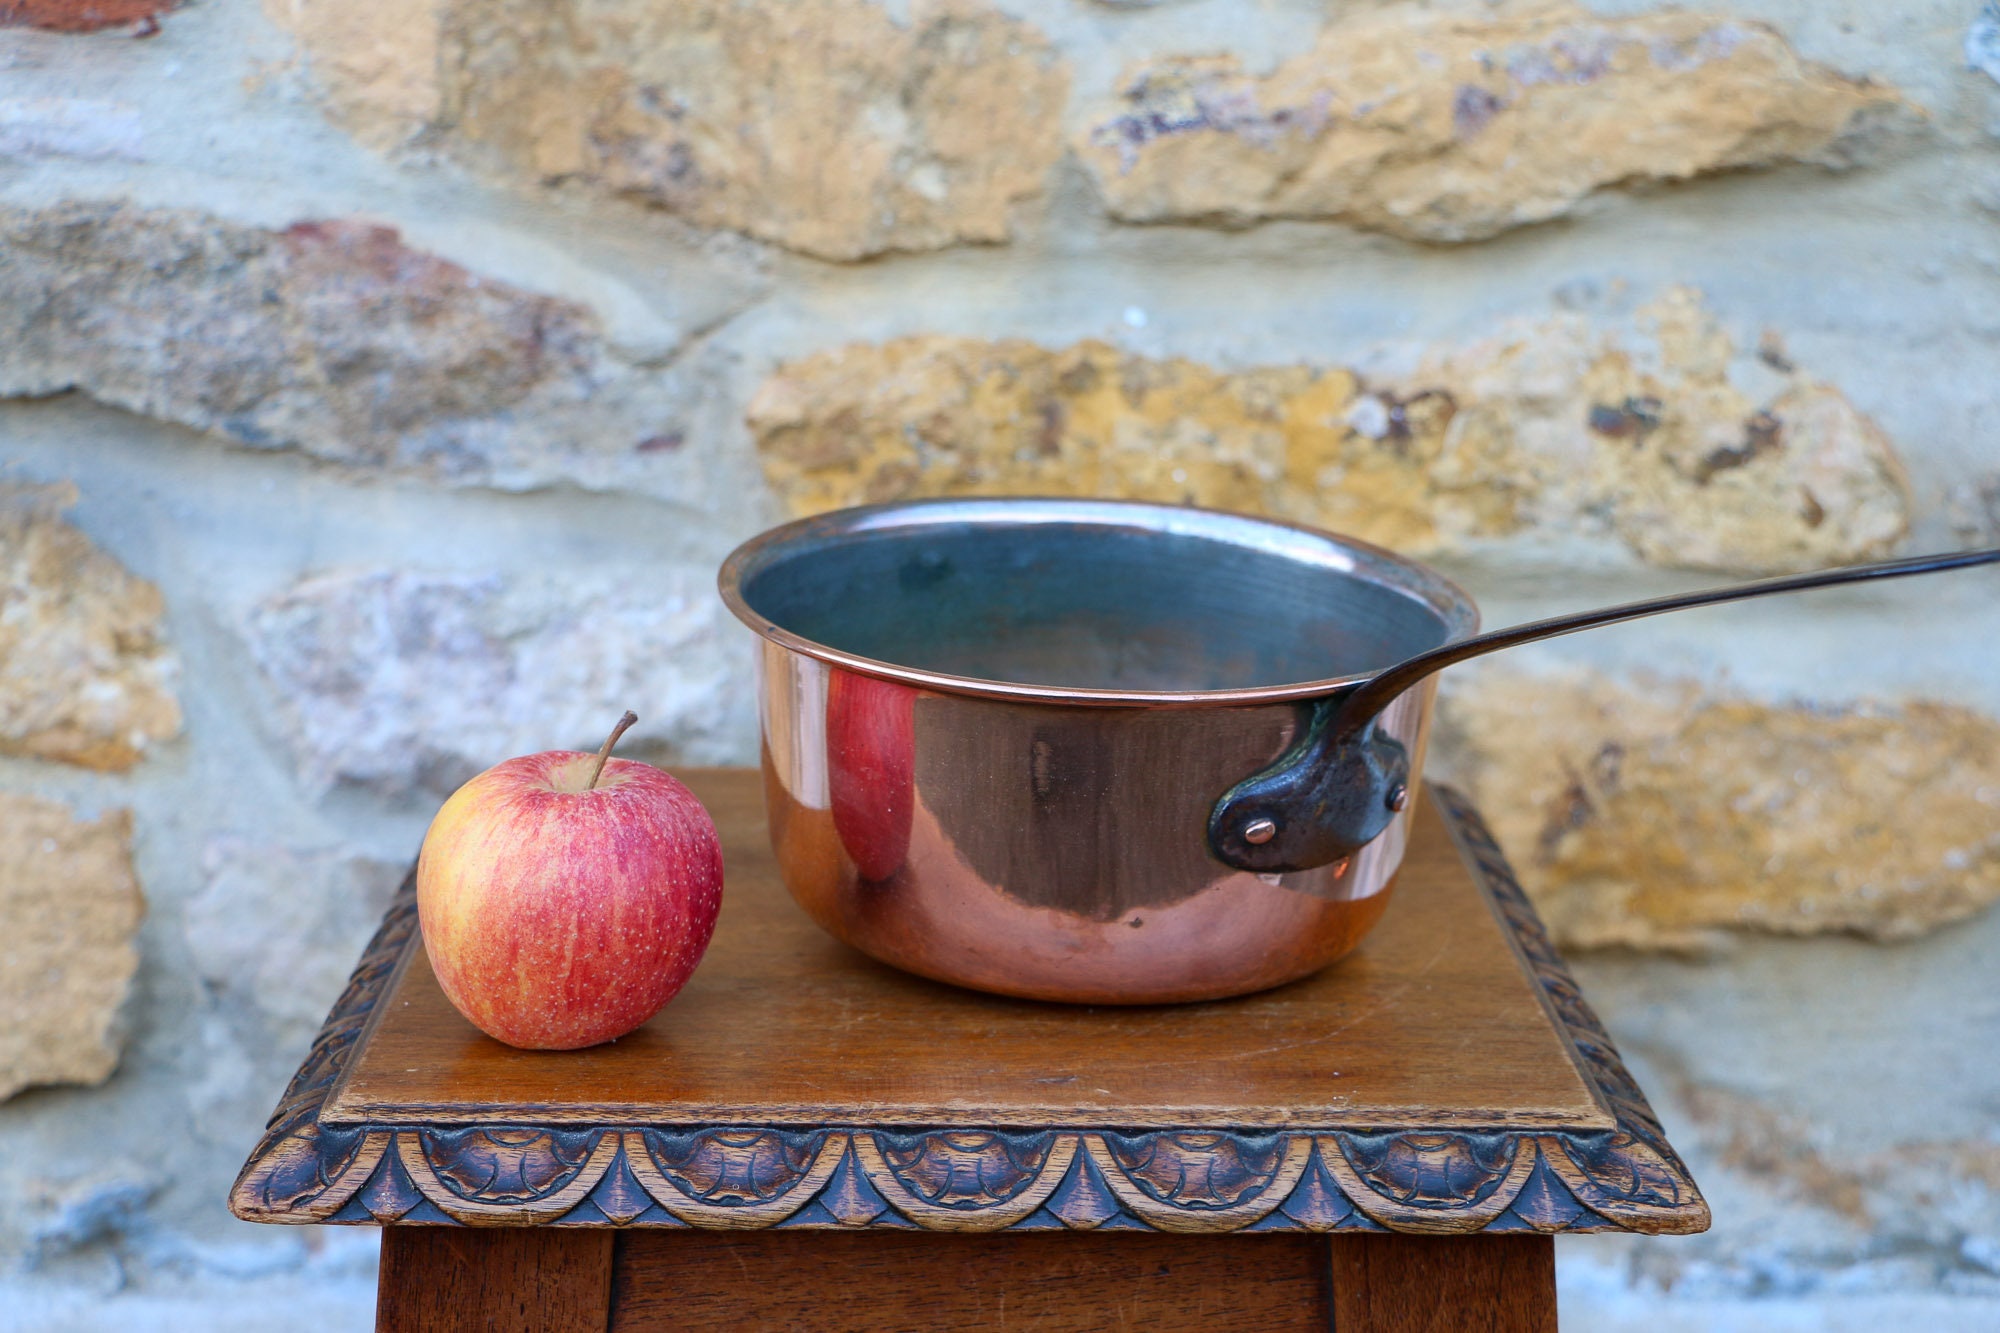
(1260, 831)
(1399, 797)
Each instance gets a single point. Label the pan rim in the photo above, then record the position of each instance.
(1340, 554)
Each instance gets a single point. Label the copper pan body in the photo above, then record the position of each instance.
(993, 731)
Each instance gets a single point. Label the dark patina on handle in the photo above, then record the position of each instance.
(1328, 795)
(1342, 782)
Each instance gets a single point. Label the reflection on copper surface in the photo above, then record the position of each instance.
(871, 752)
(808, 847)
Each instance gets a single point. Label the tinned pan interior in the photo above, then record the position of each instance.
(1090, 601)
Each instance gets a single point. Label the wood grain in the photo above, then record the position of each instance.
(1431, 1023)
(1444, 1284)
(517, 1280)
(881, 1282)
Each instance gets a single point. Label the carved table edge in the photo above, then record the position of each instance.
(1425, 1181)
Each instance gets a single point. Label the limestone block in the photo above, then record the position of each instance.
(279, 927)
(1632, 428)
(375, 62)
(71, 907)
(1647, 422)
(398, 681)
(827, 126)
(332, 337)
(85, 674)
(1457, 125)
(1642, 814)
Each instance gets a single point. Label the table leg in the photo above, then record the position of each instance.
(494, 1280)
(1444, 1284)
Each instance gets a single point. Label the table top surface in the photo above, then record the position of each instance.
(1432, 1021)
(1445, 1077)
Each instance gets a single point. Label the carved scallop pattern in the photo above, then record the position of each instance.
(503, 1165)
(965, 1180)
(1434, 1183)
(1181, 1181)
(1619, 1177)
(736, 1179)
(505, 1177)
(305, 1176)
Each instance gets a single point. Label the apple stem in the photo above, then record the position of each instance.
(609, 741)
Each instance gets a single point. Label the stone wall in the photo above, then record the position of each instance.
(380, 385)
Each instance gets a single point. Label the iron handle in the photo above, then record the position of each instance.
(1337, 788)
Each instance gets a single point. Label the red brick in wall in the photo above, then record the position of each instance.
(80, 15)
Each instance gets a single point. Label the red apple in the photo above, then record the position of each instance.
(564, 897)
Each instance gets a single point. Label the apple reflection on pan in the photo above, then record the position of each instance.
(1109, 752)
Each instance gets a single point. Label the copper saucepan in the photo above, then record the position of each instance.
(1107, 752)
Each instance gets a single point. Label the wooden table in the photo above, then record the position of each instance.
(805, 1139)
